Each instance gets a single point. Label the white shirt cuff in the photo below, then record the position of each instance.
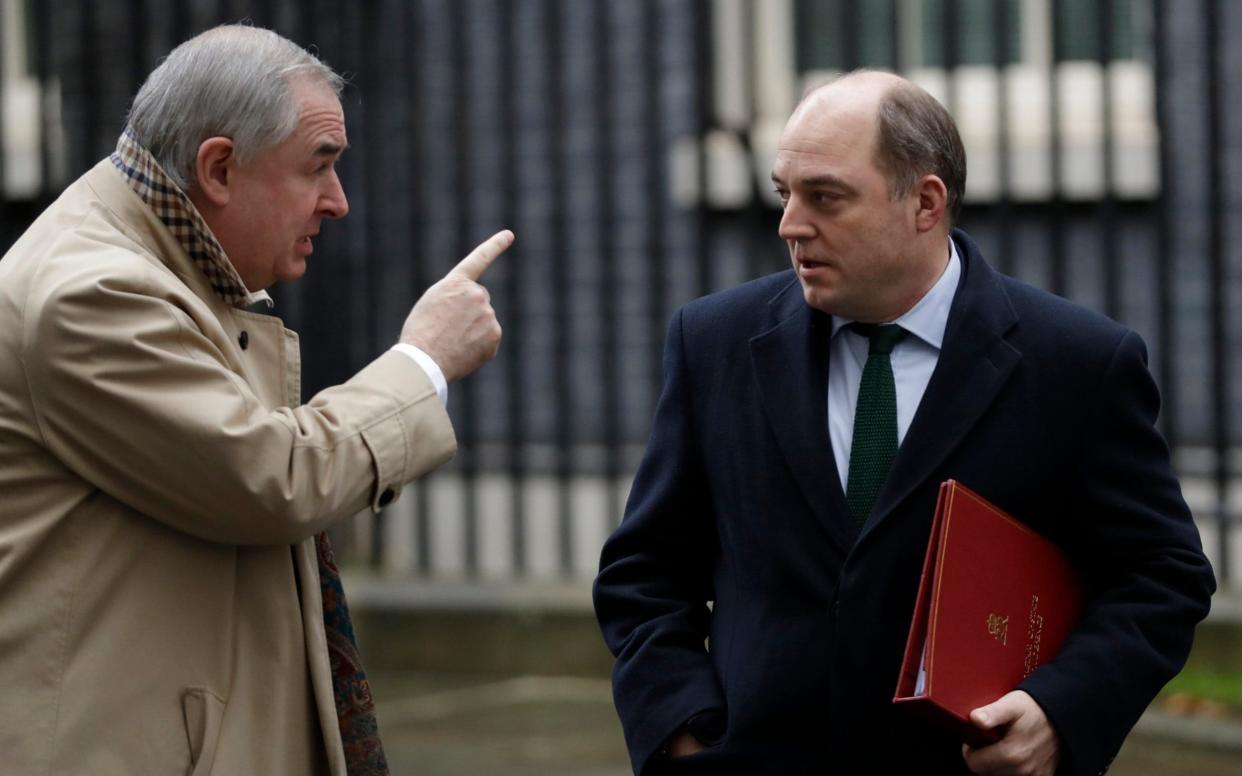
(429, 366)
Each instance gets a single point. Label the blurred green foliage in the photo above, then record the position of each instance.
(1214, 670)
(1210, 685)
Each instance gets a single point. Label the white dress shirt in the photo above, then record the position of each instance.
(913, 359)
(429, 366)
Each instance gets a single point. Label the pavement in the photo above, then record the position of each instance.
(530, 717)
(462, 725)
(442, 725)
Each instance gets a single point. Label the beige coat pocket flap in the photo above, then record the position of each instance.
(203, 711)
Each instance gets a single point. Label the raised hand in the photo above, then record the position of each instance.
(453, 321)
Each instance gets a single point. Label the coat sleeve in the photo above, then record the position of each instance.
(655, 578)
(133, 397)
(1148, 580)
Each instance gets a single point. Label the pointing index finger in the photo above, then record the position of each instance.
(479, 259)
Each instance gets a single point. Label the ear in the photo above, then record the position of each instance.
(213, 169)
(933, 199)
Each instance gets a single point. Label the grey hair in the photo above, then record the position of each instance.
(916, 136)
(232, 81)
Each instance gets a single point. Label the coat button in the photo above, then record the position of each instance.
(386, 497)
(243, 339)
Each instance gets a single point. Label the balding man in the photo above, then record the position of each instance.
(169, 602)
(807, 421)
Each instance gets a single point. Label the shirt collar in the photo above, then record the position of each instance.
(930, 315)
(174, 208)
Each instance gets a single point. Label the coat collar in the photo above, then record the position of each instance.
(791, 366)
(179, 215)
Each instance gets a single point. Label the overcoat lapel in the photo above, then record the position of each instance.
(975, 361)
(791, 367)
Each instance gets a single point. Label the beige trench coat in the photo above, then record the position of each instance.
(159, 486)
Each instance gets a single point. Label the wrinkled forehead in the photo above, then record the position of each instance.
(320, 115)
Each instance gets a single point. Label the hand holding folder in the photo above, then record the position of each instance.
(996, 600)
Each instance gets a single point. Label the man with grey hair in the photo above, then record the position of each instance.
(169, 602)
(807, 421)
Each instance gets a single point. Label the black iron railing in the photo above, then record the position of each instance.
(558, 118)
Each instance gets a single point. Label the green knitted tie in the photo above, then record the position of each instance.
(875, 423)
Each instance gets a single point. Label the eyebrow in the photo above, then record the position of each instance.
(825, 180)
(330, 149)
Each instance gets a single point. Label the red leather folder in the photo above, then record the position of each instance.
(996, 600)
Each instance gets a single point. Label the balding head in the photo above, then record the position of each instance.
(861, 89)
(914, 134)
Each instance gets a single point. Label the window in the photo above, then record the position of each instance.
(1019, 66)
(899, 34)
